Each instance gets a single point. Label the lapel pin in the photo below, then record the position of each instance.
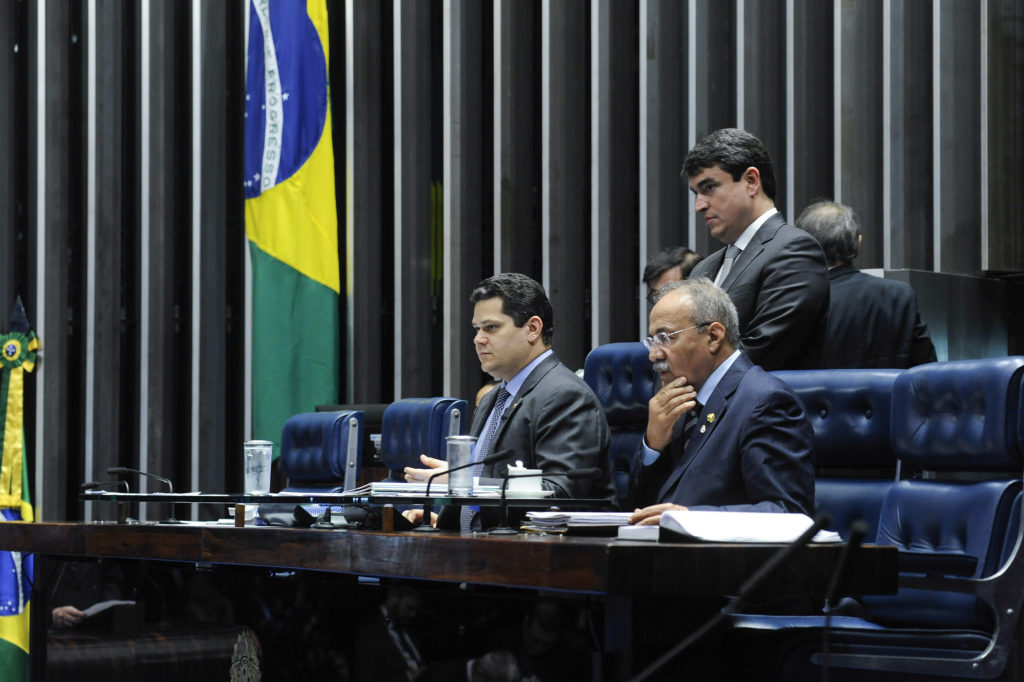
(703, 428)
(711, 418)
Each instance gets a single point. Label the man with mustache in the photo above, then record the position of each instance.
(774, 273)
(721, 432)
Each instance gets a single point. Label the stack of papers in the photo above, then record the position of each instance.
(418, 489)
(561, 521)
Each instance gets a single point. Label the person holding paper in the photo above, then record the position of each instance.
(542, 412)
(721, 432)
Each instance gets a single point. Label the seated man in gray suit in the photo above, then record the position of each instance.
(721, 432)
(542, 411)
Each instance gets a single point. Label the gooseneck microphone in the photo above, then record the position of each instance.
(128, 470)
(100, 485)
(858, 531)
(170, 486)
(503, 527)
(424, 525)
(746, 589)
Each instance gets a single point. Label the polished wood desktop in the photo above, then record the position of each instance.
(619, 571)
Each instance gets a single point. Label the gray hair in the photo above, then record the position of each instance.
(708, 304)
(835, 226)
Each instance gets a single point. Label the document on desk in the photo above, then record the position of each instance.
(728, 526)
(419, 489)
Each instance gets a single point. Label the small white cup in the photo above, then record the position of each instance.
(521, 479)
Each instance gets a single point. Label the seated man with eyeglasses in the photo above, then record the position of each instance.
(721, 432)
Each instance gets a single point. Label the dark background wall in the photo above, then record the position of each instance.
(470, 137)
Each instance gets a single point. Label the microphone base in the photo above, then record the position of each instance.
(425, 528)
(503, 530)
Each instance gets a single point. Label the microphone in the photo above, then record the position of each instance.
(170, 486)
(90, 485)
(780, 557)
(424, 526)
(503, 527)
(127, 470)
(858, 531)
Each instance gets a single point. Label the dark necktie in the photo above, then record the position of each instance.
(466, 513)
(692, 417)
(731, 252)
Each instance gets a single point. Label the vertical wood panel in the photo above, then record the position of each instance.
(366, 296)
(911, 166)
(958, 142)
(465, 188)
(416, 275)
(1005, 201)
(566, 175)
(614, 188)
(860, 130)
(813, 142)
(517, 149)
(664, 199)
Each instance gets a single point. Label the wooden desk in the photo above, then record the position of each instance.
(618, 571)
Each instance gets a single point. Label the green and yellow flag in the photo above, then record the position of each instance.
(17, 356)
(290, 213)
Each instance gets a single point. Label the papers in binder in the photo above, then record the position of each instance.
(563, 519)
(101, 606)
(731, 526)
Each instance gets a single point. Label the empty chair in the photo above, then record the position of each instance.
(957, 431)
(415, 426)
(322, 451)
(621, 376)
(854, 462)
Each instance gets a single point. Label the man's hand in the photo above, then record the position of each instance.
(651, 516)
(414, 515)
(433, 466)
(67, 617)
(666, 407)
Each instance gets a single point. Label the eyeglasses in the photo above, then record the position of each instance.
(662, 339)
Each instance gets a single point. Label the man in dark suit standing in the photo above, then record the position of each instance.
(872, 322)
(773, 272)
(545, 414)
(721, 432)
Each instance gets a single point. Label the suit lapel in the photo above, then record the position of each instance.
(708, 420)
(535, 376)
(754, 249)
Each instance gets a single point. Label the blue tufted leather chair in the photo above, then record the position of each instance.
(853, 458)
(621, 377)
(322, 451)
(958, 430)
(414, 426)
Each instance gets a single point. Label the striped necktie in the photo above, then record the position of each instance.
(467, 511)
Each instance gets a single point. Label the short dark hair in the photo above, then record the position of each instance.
(734, 151)
(835, 226)
(521, 298)
(669, 258)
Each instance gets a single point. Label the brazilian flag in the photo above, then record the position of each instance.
(290, 213)
(17, 356)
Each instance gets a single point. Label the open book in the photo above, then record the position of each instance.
(728, 526)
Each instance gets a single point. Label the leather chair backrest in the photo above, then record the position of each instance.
(322, 451)
(414, 426)
(952, 422)
(960, 416)
(850, 411)
(621, 377)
